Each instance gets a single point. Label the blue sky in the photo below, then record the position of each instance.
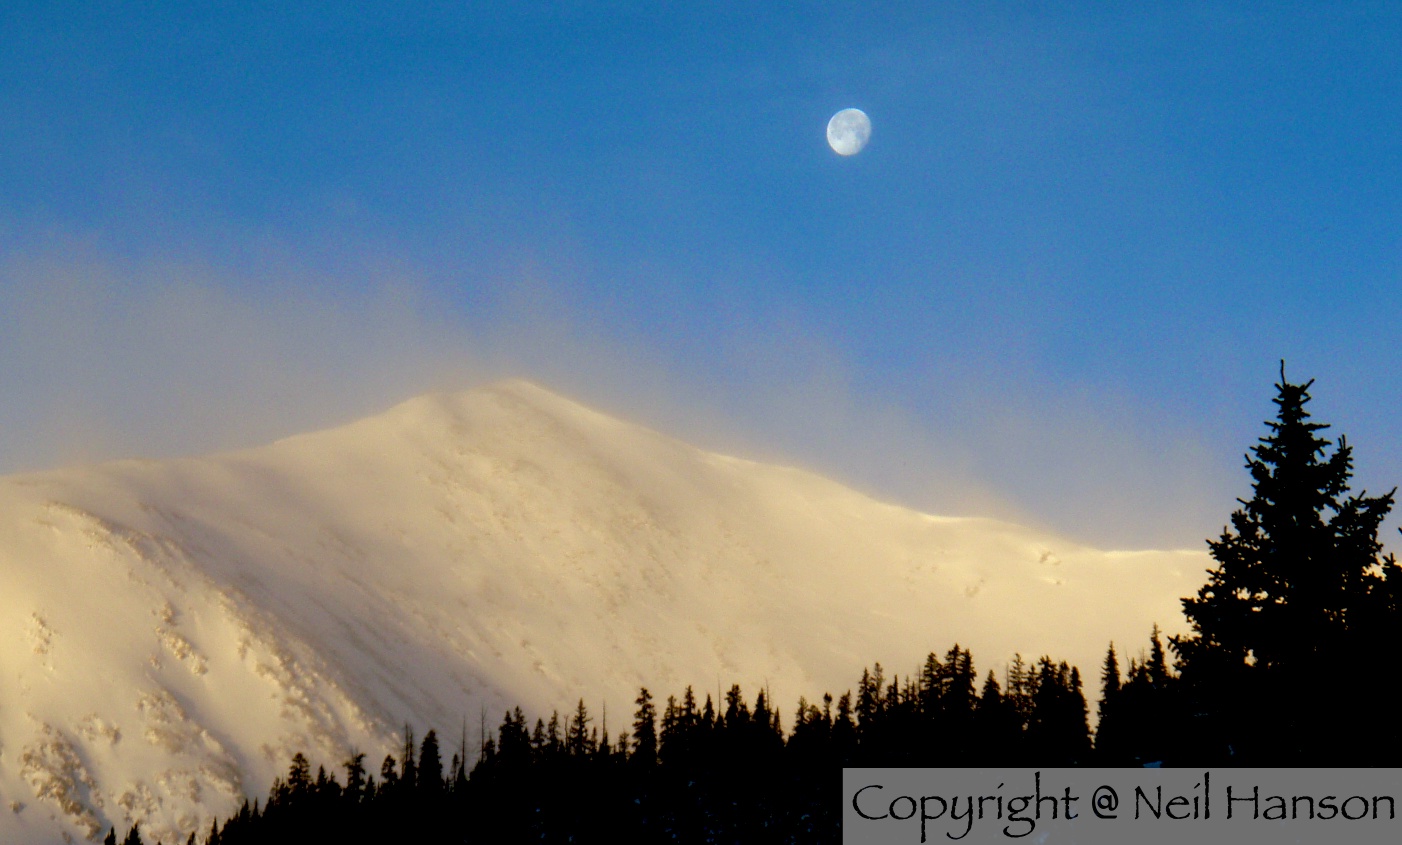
(1056, 286)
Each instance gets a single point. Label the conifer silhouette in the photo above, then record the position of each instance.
(645, 730)
(1300, 599)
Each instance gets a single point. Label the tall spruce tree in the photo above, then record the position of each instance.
(513, 741)
(997, 725)
(645, 730)
(408, 766)
(578, 743)
(1109, 743)
(1301, 599)
(430, 774)
(355, 776)
(299, 775)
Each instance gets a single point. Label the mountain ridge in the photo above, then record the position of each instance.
(176, 629)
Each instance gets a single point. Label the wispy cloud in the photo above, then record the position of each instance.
(107, 358)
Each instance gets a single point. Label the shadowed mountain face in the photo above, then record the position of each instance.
(172, 632)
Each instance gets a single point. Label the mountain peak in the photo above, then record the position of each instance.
(179, 629)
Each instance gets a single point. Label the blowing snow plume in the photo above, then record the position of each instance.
(174, 631)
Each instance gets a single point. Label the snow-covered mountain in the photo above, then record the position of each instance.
(172, 632)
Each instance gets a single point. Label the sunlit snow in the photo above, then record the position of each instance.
(172, 632)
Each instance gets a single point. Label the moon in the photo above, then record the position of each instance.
(848, 131)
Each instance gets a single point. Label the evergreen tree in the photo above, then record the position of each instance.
(1058, 734)
(430, 774)
(457, 774)
(299, 779)
(538, 741)
(812, 731)
(389, 772)
(602, 748)
(690, 715)
(1109, 682)
(554, 744)
(767, 735)
(997, 725)
(1159, 674)
(326, 794)
(930, 674)
(645, 730)
(578, 744)
(513, 743)
(1022, 683)
(408, 766)
(488, 760)
(762, 718)
(1109, 734)
(671, 742)
(737, 713)
(355, 776)
(1078, 718)
(870, 706)
(956, 705)
(957, 683)
(1146, 719)
(1300, 601)
(844, 731)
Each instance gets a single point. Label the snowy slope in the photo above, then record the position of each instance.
(171, 632)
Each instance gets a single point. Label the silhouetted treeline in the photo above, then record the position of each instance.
(690, 770)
